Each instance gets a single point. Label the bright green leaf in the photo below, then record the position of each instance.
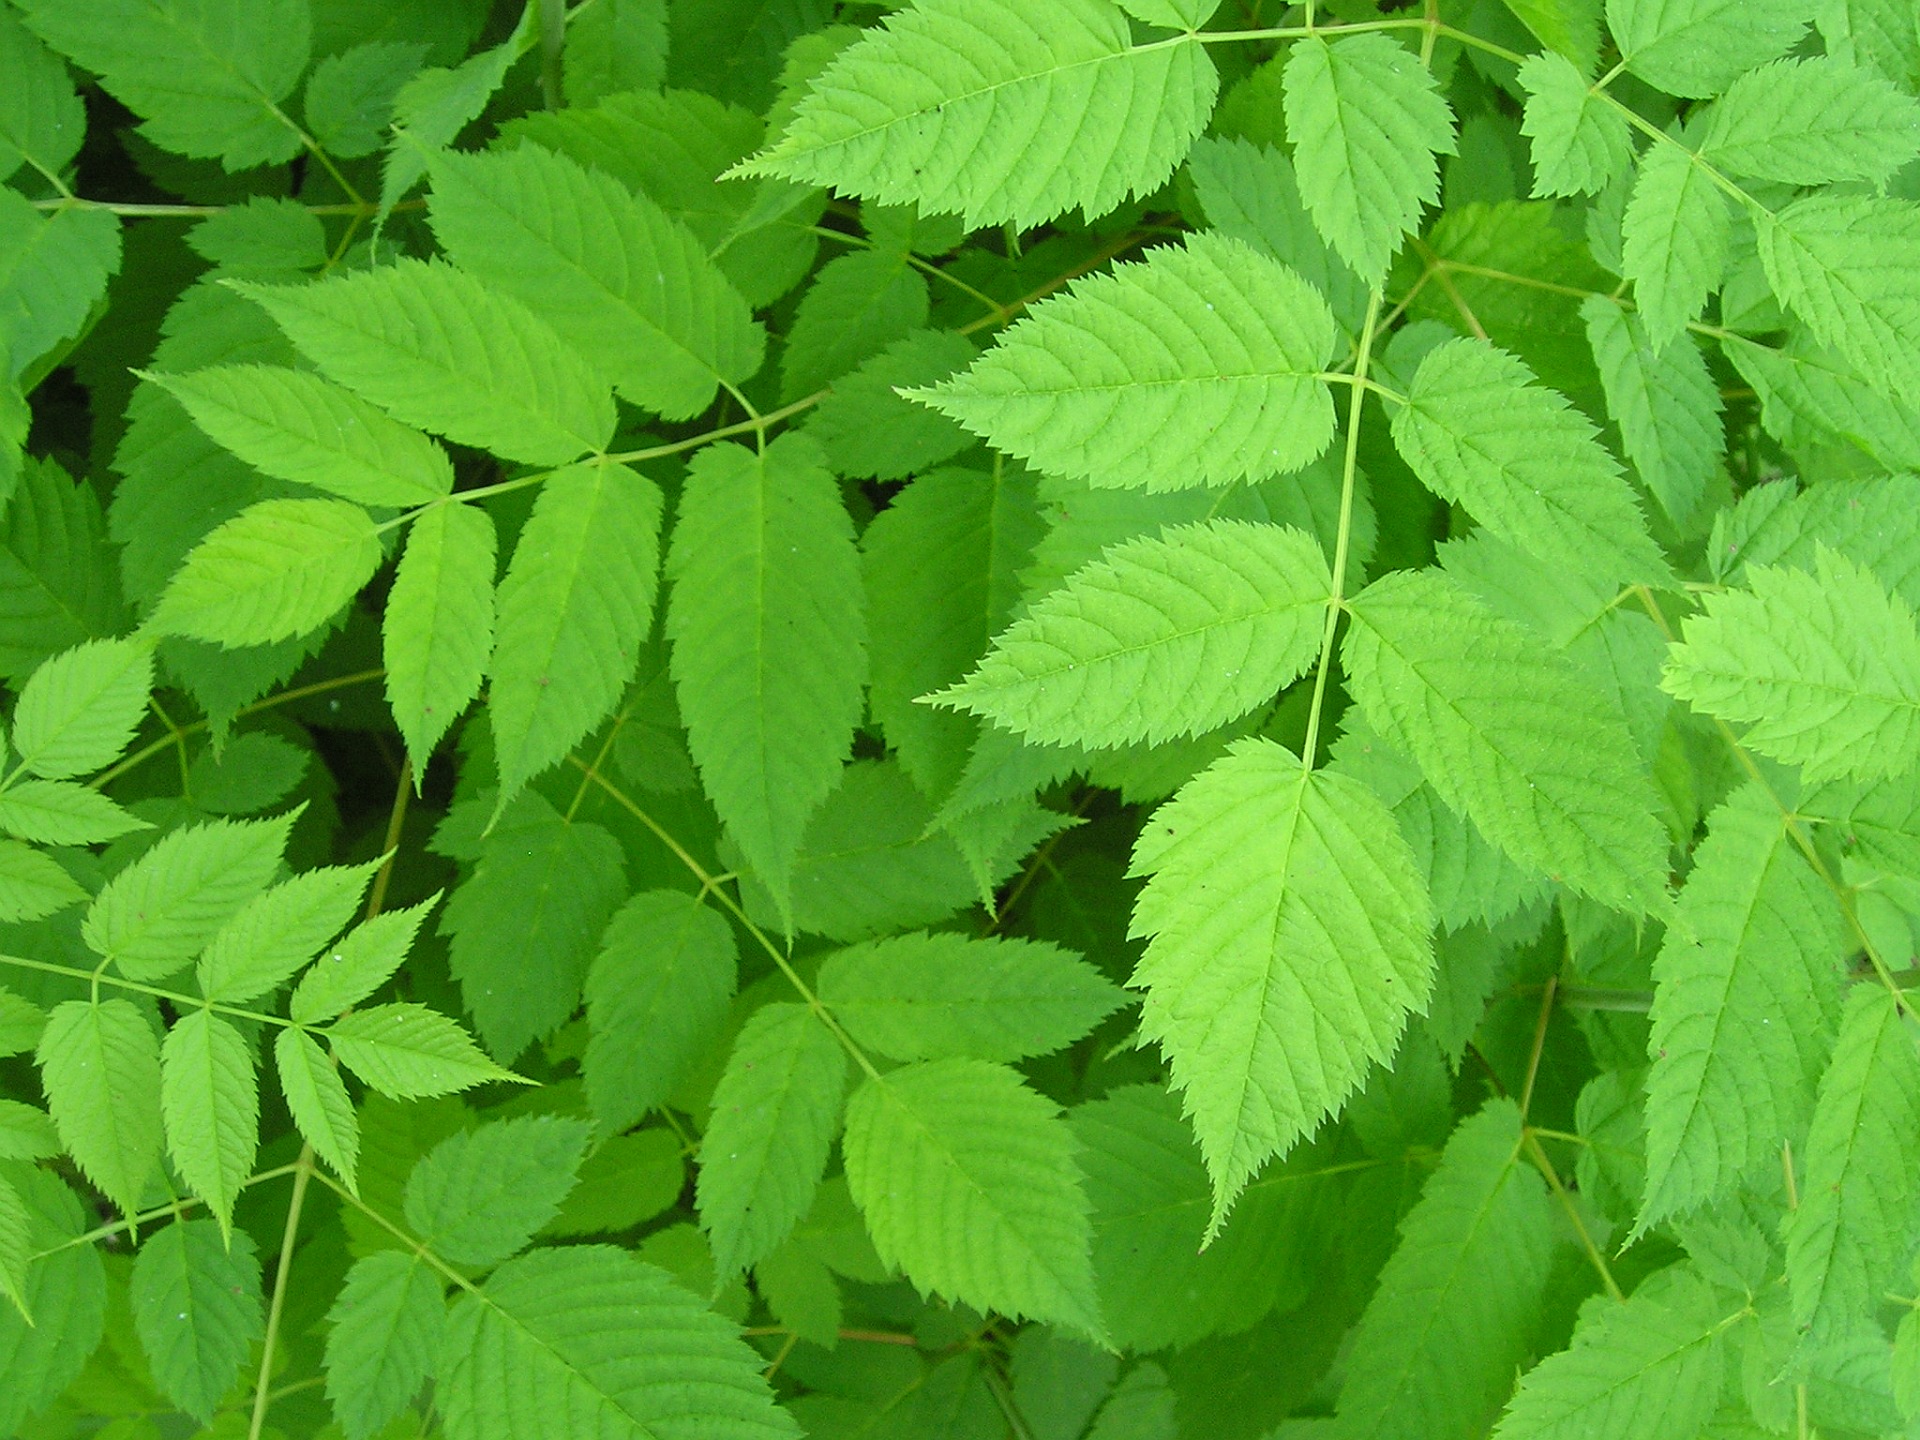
(480, 1195)
(318, 1102)
(277, 932)
(438, 630)
(407, 1051)
(100, 1064)
(385, 1340)
(79, 710)
(197, 1309)
(211, 1101)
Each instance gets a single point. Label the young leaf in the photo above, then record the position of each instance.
(1287, 935)
(1384, 120)
(769, 640)
(966, 1180)
(1811, 122)
(774, 1113)
(276, 570)
(1478, 431)
(439, 349)
(944, 996)
(406, 1052)
(480, 1195)
(656, 1002)
(21, 1023)
(387, 1327)
(1698, 47)
(26, 1133)
(1490, 715)
(57, 812)
(1664, 401)
(1674, 240)
(1580, 140)
(438, 630)
(318, 1102)
(277, 932)
(617, 277)
(195, 1293)
(1824, 668)
(359, 965)
(100, 1064)
(79, 710)
(1000, 110)
(298, 427)
(211, 1101)
(574, 610)
(1199, 366)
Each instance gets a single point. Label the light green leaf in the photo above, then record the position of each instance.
(159, 912)
(1490, 716)
(480, 1195)
(574, 610)
(406, 1052)
(624, 283)
(943, 996)
(1480, 432)
(857, 305)
(57, 812)
(206, 75)
(656, 1002)
(1161, 637)
(387, 1327)
(32, 885)
(26, 1133)
(59, 580)
(195, 1293)
(1198, 366)
(261, 947)
(1849, 1242)
(360, 964)
(966, 1180)
(865, 428)
(100, 1064)
(1664, 401)
(296, 426)
(1287, 935)
(16, 1225)
(41, 119)
(318, 1101)
(1383, 120)
(1568, 27)
(53, 272)
(211, 1101)
(350, 95)
(1810, 122)
(21, 1022)
(765, 1148)
(1173, 14)
(1699, 47)
(432, 108)
(587, 1340)
(1746, 990)
(1823, 668)
(1580, 141)
(1000, 110)
(1807, 393)
(615, 48)
(1435, 1351)
(263, 236)
(79, 710)
(276, 570)
(440, 349)
(438, 630)
(629, 1179)
(1673, 240)
(769, 640)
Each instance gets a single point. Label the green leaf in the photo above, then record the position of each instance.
(53, 272)
(79, 710)
(59, 582)
(298, 427)
(1674, 240)
(350, 96)
(211, 1101)
(480, 1195)
(966, 1180)
(438, 630)
(623, 282)
(26, 1133)
(440, 349)
(1745, 996)
(16, 1240)
(388, 1323)
(1849, 1242)
(1173, 14)
(65, 1292)
(436, 105)
(1699, 47)
(628, 1180)
(206, 75)
(100, 1064)
(1824, 668)
(574, 609)
(360, 964)
(41, 119)
(657, 999)
(1490, 715)
(276, 570)
(406, 1052)
(57, 812)
(944, 996)
(1651, 1366)
(774, 1114)
(1807, 393)
(1198, 366)
(589, 1340)
(263, 944)
(1580, 141)
(866, 428)
(195, 1292)
(1435, 1350)
(1810, 122)
(32, 885)
(857, 305)
(1385, 120)
(769, 640)
(1480, 432)
(160, 911)
(615, 48)
(1287, 935)
(21, 1022)
(318, 1102)
(999, 110)
(1664, 401)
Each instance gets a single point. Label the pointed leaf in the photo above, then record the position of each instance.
(196, 1307)
(42, 121)
(1664, 401)
(480, 1195)
(438, 631)
(57, 812)
(318, 1102)
(387, 1327)
(100, 1064)
(406, 1052)
(1674, 240)
(79, 710)
(1810, 122)
(211, 1101)
(360, 964)
(262, 946)
(1580, 141)
(32, 885)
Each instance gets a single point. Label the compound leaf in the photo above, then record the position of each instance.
(360, 964)
(266, 942)
(1810, 122)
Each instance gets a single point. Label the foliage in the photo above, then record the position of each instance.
(959, 719)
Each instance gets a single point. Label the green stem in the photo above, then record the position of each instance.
(276, 1306)
(173, 997)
